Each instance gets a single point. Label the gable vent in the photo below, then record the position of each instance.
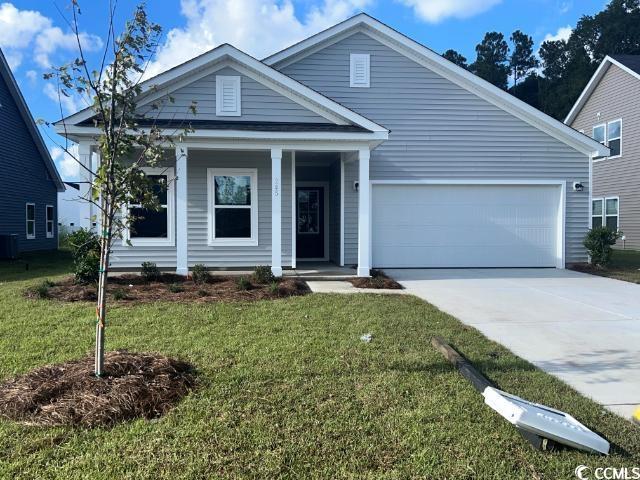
(228, 96)
(360, 70)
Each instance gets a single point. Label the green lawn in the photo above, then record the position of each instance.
(625, 265)
(289, 391)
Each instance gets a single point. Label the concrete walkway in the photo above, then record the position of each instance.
(581, 328)
(341, 286)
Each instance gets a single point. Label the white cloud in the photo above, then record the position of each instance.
(69, 104)
(28, 31)
(563, 33)
(259, 27)
(32, 76)
(434, 11)
(66, 162)
(565, 6)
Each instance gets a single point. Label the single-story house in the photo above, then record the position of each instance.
(30, 180)
(357, 146)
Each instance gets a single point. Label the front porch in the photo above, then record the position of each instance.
(294, 208)
(306, 210)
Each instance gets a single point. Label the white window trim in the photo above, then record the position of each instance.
(353, 58)
(606, 215)
(616, 138)
(605, 125)
(232, 242)
(26, 218)
(237, 85)
(47, 220)
(156, 242)
(601, 216)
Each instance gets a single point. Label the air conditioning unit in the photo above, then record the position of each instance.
(9, 246)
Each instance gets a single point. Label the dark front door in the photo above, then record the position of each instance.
(310, 218)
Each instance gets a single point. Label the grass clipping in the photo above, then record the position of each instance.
(135, 385)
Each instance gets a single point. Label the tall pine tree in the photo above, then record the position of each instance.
(522, 60)
(492, 59)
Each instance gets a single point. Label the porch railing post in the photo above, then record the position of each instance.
(276, 211)
(182, 258)
(364, 220)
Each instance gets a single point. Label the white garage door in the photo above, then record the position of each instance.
(465, 225)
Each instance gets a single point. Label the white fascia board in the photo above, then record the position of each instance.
(226, 51)
(201, 134)
(588, 90)
(593, 84)
(465, 79)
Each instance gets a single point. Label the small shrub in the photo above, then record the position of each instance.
(150, 272)
(598, 242)
(42, 289)
(274, 288)
(263, 274)
(175, 288)
(85, 251)
(199, 274)
(120, 294)
(243, 283)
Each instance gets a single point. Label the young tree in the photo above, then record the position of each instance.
(492, 60)
(522, 60)
(456, 58)
(124, 146)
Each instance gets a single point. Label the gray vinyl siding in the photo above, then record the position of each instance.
(350, 213)
(25, 179)
(258, 103)
(440, 131)
(617, 96)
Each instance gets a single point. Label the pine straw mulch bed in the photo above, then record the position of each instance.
(135, 385)
(378, 280)
(169, 287)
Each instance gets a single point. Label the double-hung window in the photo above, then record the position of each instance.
(610, 135)
(30, 217)
(605, 212)
(149, 226)
(611, 213)
(233, 206)
(49, 221)
(614, 138)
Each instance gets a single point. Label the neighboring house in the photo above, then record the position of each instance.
(608, 110)
(69, 206)
(30, 181)
(356, 146)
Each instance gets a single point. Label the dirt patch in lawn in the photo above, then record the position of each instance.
(378, 280)
(135, 385)
(172, 288)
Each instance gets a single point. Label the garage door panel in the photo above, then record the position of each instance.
(464, 225)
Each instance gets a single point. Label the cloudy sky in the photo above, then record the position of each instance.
(35, 34)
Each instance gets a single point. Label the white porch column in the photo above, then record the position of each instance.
(86, 178)
(276, 211)
(182, 259)
(293, 210)
(364, 222)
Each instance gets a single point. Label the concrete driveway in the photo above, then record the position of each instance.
(581, 328)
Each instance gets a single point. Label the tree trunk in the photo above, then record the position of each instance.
(101, 308)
